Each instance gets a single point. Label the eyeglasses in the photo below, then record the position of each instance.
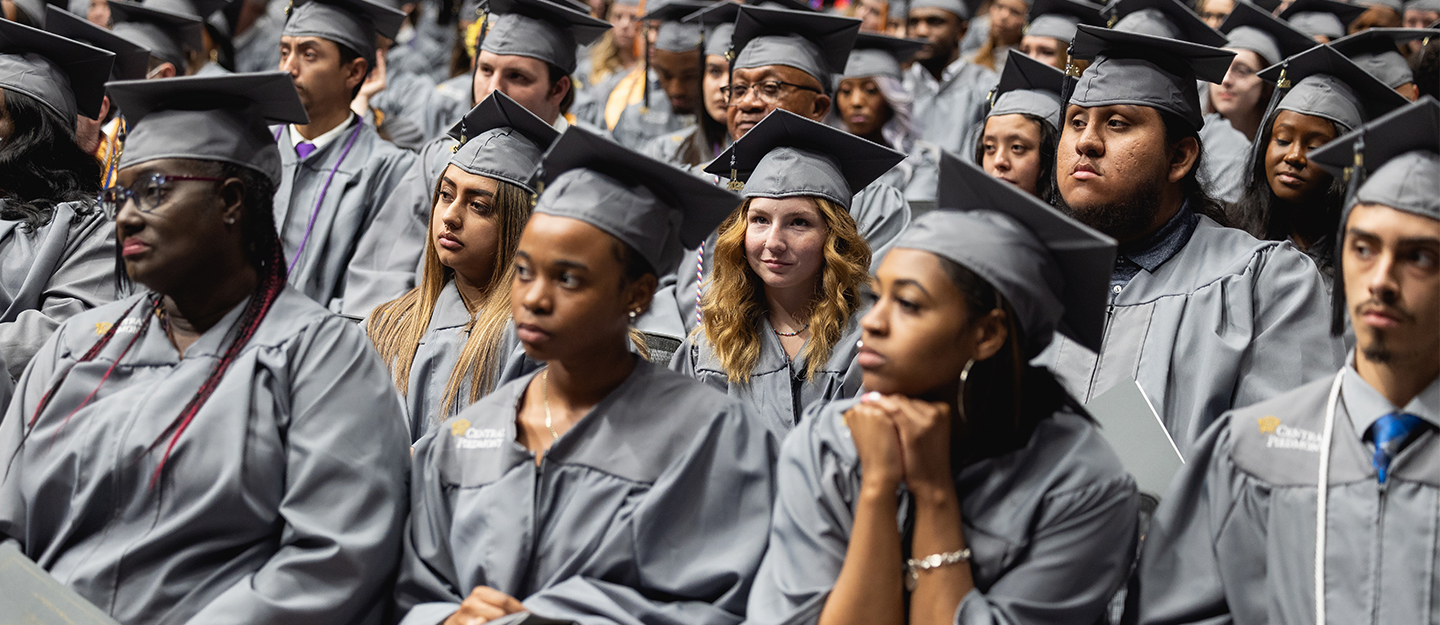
(148, 193)
(769, 91)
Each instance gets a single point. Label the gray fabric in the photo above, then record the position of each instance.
(1028, 87)
(718, 26)
(132, 62)
(235, 135)
(1050, 268)
(1138, 69)
(813, 43)
(1388, 66)
(362, 182)
(1228, 321)
(1171, 19)
(1058, 18)
(250, 528)
(1233, 541)
(352, 23)
(791, 172)
(1410, 182)
(1151, 22)
(1222, 170)
(154, 39)
(34, 10)
(947, 110)
(878, 55)
(1051, 527)
(1318, 24)
(50, 274)
(615, 527)
(1254, 40)
(1310, 16)
(436, 357)
(1377, 51)
(540, 29)
(1042, 104)
(1422, 5)
(958, 7)
(677, 37)
(1251, 28)
(656, 209)
(167, 35)
(1053, 25)
(65, 75)
(504, 141)
(1325, 96)
(778, 390)
(639, 124)
(717, 42)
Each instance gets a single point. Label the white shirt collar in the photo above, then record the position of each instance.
(324, 139)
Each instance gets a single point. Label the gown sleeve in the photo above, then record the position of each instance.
(1079, 553)
(1180, 577)
(84, 279)
(389, 254)
(810, 528)
(425, 592)
(32, 386)
(344, 505)
(697, 538)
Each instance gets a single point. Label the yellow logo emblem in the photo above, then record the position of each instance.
(458, 428)
(1268, 424)
(102, 327)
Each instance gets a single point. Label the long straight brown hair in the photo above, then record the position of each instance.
(397, 327)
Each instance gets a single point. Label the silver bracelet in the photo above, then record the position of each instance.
(932, 561)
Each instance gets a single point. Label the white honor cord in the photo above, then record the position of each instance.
(1321, 494)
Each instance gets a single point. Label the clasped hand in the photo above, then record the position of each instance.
(900, 439)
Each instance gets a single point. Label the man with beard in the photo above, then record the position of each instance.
(787, 60)
(1205, 318)
(949, 90)
(336, 170)
(528, 53)
(673, 68)
(702, 142)
(1237, 537)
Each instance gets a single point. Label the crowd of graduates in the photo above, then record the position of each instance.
(699, 312)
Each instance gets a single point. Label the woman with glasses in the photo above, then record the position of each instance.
(57, 251)
(966, 486)
(783, 303)
(217, 448)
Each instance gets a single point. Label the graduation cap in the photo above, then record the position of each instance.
(1323, 83)
(1057, 19)
(963, 10)
(208, 118)
(1053, 270)
(717, 26)
(198, 8)
(673, 34)
(655, 208)
(1161, 18)
(1028, 87)
(540, 29)
(879, 55)
(168, 36)
(1132, 68)
(65, 75)
(500, 139)
(786, 155)
(1395, 5)
(1324, 18)
(32, 10)
(132, 61)
(793, 5)
(1392, 160)
(351, 23)
(813, 43)
(1251, 28)
(1377, 50)
(1423, 5)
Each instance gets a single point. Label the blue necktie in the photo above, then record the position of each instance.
(1390, 434)
(304, 148)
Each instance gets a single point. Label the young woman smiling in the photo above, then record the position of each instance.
(1011, 507)
(602, 488)
(449, 341)
(783, 304)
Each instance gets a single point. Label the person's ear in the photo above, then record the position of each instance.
(557, 92)
(639, 293)
(990, 333)
(164, 70)
(1184, 158)
(232, 201)
(355, 72)
(821, 107)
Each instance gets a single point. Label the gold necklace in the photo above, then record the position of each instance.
(545, 389)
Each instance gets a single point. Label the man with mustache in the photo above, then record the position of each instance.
(950, 91)
(1235, 540)
(336, 171)
(1205, 318)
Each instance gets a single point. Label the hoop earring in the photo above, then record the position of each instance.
(964, 380)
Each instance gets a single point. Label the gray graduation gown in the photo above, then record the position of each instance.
(362, 182)
(1234, 539)
(652, 509)
(946, 111)
(881, 214)
(687, 147)
(282, 502)
(1222, 171)
(918, 176)
(1050, 527)
(777, 390)
(435, 360)
(639, 124)
(1227, 322)
(50, 274)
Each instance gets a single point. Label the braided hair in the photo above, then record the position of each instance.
(265, 254)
